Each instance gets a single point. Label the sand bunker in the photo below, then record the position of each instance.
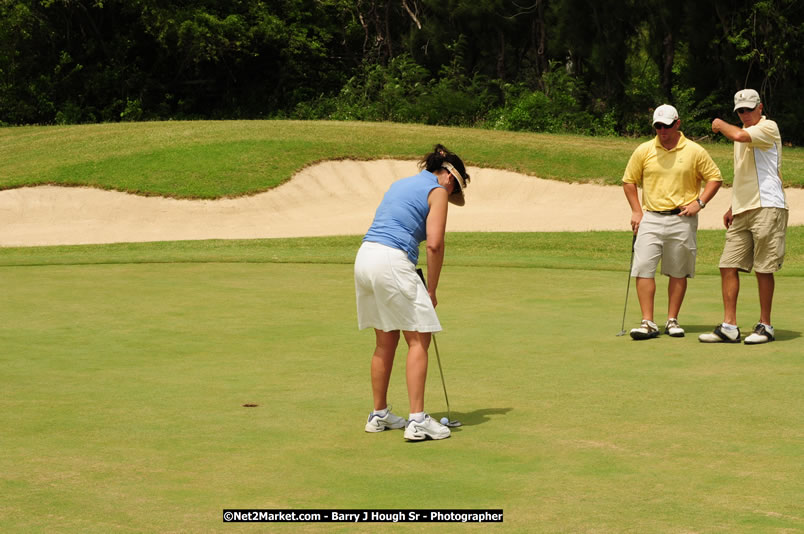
(330, 198)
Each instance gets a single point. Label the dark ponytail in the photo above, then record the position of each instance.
(440, 154)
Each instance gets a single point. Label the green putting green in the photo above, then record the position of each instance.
(124, 387)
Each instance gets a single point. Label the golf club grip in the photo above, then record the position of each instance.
(421, 275)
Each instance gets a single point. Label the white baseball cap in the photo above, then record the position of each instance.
(665, 114)
(747, 98)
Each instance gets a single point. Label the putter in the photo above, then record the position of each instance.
(450, 421)
(628, 286)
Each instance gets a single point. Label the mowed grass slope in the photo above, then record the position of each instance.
(208, 159)
(126, 367)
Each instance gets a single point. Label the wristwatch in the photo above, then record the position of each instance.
(701, 203)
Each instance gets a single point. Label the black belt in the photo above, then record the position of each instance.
(668, 212)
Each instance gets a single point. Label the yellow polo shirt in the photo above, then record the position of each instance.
(670, 178)
(757, 169)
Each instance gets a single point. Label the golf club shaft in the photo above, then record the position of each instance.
(628, 285)
(441, 372)
(438, 356)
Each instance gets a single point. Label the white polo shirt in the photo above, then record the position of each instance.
(757, 169)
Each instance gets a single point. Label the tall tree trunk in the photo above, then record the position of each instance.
(540, 33)
(388, 45)
(669, 53)
(501, 56)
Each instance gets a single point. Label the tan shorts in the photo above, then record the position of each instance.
(756, 240)
(669, 238)
(390, 295)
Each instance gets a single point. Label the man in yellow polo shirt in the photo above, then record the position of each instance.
(670, 169)
(757, 220)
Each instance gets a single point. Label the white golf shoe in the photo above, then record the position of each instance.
(427, 429)
(721, 335)
(672, 329)
(377, 422)
(763, 333)
(646, 330)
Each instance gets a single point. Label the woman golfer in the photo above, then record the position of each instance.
(390, 295)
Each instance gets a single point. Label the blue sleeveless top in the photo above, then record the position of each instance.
(401, 218)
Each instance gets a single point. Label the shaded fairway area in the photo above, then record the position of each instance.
(124, 384)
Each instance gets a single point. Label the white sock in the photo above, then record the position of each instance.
(729, 327)
(381, 413)
(418, 417)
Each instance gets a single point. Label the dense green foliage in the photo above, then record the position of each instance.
(579, 66)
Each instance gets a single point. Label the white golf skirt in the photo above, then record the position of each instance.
(390, 295)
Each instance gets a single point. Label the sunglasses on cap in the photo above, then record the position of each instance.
(660, 126)
(745, 110)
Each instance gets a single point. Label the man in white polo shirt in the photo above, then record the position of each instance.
(670, 169)
(757, 219)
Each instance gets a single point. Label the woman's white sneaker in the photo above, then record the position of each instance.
(427, 429)
(377, 422)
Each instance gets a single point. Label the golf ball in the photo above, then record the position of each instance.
(444, 420)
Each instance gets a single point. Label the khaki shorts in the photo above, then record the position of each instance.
(390, 295)
(756, 239)
(669, 238)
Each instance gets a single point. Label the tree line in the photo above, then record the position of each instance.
(582, 66)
